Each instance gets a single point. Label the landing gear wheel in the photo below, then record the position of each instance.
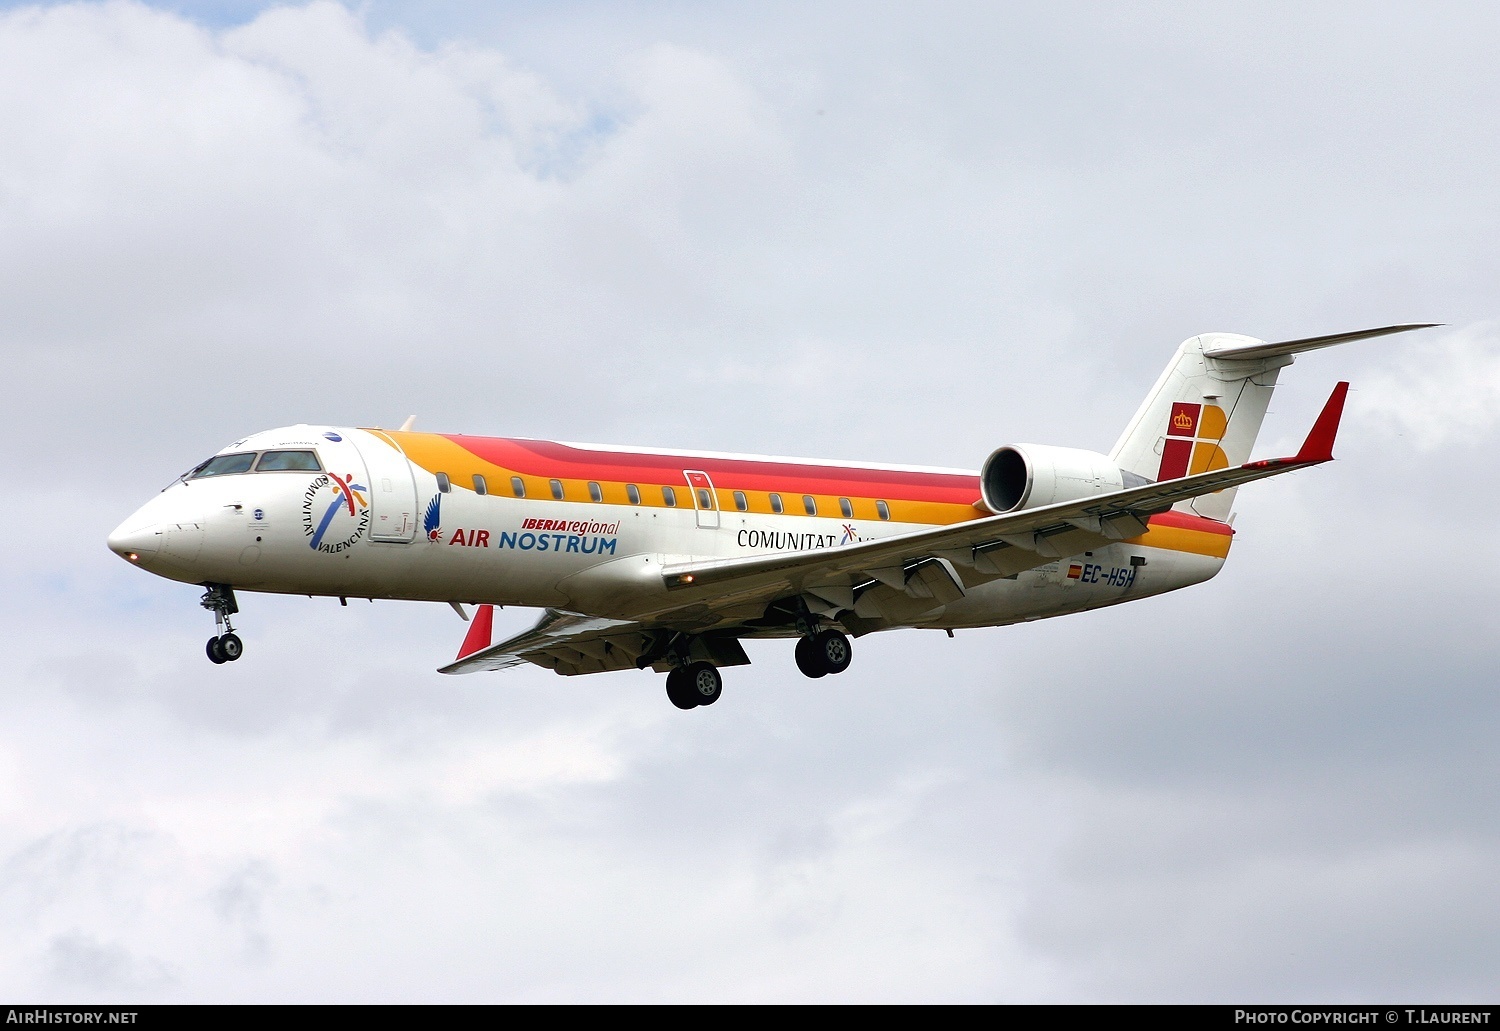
(231, 647)
(705, 682)
(808, 660)
(679, 690)
(225, 646)
(833, 650)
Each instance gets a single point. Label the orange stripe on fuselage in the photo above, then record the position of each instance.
(1183, 531)
(914, 496)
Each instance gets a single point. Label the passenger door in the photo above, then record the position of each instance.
(705, 500)
(393, 492)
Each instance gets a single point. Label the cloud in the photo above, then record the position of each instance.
(1443, 393)
(837, 231)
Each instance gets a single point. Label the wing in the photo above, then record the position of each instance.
(708, 605)
(571, 643)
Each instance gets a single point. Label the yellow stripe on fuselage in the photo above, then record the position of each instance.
(1177, 538)
(436, 453)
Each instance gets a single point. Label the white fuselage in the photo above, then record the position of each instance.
(289, 533)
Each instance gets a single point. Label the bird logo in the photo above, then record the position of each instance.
(432, 517)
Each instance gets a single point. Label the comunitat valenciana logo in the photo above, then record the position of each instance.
(335, 513)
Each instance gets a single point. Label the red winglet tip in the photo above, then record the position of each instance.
(1318, 447)
(480, 631)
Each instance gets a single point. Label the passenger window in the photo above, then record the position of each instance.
(480, 487)
(883, 510)
(634, 493)
(776, 505)
(224, 465)
(443, 483)
(705, 500)
(595, 494)
(518, 486)
(810, 503)
(288, 461)
(846, 508)
(557, 490)
(740, 502)
(669, 496)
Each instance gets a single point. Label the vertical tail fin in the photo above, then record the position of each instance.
(1206, 409)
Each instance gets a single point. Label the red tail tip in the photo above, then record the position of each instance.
(1318, 447)
(480, 631)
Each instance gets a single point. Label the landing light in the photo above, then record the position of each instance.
(133, 557)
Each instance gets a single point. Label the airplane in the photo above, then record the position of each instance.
(670, 559)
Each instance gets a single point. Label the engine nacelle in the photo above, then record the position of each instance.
(1021, 476)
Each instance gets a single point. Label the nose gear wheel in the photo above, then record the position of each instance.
(225, 645)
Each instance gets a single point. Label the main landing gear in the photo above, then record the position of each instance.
(824, 652)
(225, 645)
(695, 684)
(819, 653)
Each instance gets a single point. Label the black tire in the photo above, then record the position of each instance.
(678, 689)
(704, 682)
(808, 660)
(833, 650)
(214, 654)
(231, 647)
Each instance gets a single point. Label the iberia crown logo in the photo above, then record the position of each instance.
(1183, 421)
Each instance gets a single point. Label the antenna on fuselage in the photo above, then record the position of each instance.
(411, 420)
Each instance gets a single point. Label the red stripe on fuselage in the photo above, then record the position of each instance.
(550, 459)
(1188, 521)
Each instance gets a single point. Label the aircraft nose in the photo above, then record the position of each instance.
(135, 538)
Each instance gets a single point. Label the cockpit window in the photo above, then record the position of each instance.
(289, 461)
(223, 465)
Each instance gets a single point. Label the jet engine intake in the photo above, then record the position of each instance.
(1020, 476)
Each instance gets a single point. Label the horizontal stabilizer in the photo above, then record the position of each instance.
(1257, 351)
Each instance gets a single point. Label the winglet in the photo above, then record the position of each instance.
(480, 632)
(1318, 447)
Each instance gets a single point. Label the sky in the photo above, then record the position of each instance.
(860, 231)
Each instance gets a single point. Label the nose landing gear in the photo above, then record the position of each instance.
(225, 645)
